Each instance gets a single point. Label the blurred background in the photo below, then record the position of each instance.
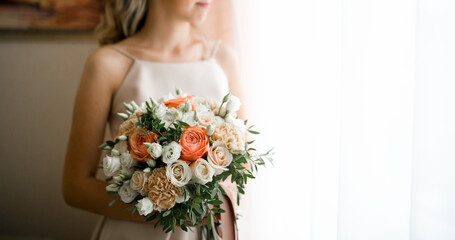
(356, 96)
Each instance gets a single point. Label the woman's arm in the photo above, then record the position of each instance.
(103, 73)
(228, 59)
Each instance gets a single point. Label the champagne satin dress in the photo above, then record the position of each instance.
(147, 79)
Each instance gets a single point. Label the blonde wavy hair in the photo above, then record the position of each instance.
(121, 19)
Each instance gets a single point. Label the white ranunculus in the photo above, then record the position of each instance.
(234, 104)
(126, 160)
(144, 206)
(179, 173)
(172, 115)
(126, 193)
(111, 165)
(202, 171)
(121, 147)
(171, 152)
(155, 150)
(188, 117)
(219, 157)
(160, 111)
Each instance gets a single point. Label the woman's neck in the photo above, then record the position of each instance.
(164, 32)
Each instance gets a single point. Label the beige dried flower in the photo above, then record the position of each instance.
(160, 189)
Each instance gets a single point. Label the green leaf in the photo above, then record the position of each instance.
(166, 213)
(216, 202)
(218, 210)
(209, 221)
(112, 202)
(253, 132)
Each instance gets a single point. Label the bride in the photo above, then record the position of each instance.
(148, 48)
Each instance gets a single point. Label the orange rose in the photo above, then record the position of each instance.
(136, 147)
(194, 143)
(174, 103)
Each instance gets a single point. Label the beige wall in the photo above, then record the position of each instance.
(39, 75)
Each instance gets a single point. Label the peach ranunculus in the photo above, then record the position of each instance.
(174, 103)
(138, 181)
(136, 147)
(194, 142)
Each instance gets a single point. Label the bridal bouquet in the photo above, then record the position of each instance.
(169, 156)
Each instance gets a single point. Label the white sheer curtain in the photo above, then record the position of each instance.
(358, 99)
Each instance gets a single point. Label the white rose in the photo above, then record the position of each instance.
(219, 157)
(234, 104)
(202, 171)
(155, 150)
(171, 152)
(111, 165)
(179, 173)
(144, 206)
(172, 115)
(126, 160)
(121, 147)
(126, 193)
(159, 110)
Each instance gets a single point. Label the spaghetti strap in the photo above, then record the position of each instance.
(215, 49)
(122, 52)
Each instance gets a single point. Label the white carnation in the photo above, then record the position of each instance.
(111, 165)
(126, 193)
(237, 123)
(155, 150)
(144, 206)
(171, 152)
(202, 171)
(179, 173)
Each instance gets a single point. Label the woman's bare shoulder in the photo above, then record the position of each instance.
(227, 56)
(106, 65)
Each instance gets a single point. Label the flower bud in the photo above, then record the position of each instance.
(209, 130)
(187, 106)
(128, 107)
(118, 178)
(123, 115)
(178, 91)
(115, 152)
(122, 137)
(195, 116)
(134, 105)
(226, 98)
(146, 170)
(114, 187)
(150, 162)
(154, 102)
